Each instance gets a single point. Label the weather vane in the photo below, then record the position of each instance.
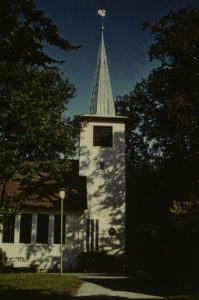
(102, 13)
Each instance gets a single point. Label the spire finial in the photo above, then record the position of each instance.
(102, 13)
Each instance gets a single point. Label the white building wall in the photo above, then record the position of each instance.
(105, 206)
(105, 188)
(47, 255)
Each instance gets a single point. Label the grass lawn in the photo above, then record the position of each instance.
(39, 286)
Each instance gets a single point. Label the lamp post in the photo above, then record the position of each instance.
(62, 193)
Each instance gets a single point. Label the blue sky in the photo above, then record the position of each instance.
(126, 43)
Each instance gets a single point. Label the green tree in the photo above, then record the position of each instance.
(33, 96)
(24, 29)
(163, 131)
(164, 108)
(32, 126)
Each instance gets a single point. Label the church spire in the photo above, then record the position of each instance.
(101, 102)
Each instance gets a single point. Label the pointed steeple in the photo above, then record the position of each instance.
(101, 102)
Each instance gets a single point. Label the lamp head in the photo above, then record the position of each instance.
(62, 193)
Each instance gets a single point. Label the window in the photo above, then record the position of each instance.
(8, 229)
(42, 228)
(25, 228)
(92, 235)
(57, 227)
(102, 166)
(103, 136)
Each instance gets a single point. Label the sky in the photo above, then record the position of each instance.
(125, 41)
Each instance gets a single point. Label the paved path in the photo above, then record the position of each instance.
(89, 289)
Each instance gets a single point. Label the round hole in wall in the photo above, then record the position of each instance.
(112, 231)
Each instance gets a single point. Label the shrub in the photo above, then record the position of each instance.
(96, 261)
(34, 268)
(3, 259)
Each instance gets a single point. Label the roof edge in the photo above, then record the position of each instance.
(114, 119)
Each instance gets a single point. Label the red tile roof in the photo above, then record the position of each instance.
(42, 192)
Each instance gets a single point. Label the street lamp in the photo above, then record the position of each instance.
(62, 193)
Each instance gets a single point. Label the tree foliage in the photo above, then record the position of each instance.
(24, 29)
(164, 108)
(163, 140)
(173, 86)
(31, 123)
(35, 135)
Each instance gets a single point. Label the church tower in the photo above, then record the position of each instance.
(102, 161)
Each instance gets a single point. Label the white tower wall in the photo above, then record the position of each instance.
(105, 188)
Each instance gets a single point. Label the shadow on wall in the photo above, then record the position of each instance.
(105, 171)
(41, 196)
(47, 256)
(43, 256)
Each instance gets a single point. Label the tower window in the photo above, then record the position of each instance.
(102, 166)
(103, 136)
